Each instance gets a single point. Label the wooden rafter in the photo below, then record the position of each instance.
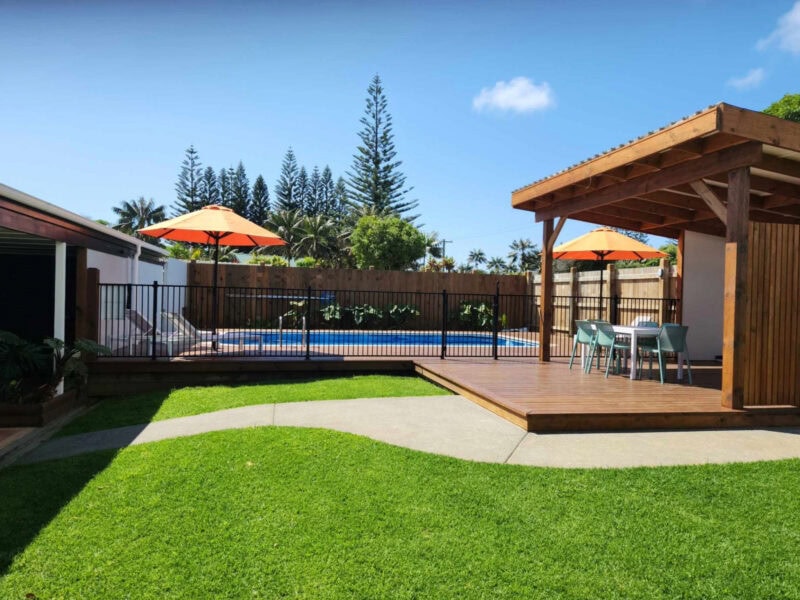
(683, 173)
(711, 199)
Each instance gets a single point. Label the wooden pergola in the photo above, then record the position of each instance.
(716, 172)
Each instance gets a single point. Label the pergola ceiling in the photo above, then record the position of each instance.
(676, 178)
(17, 242)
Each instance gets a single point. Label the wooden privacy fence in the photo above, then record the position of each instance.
(260, 276)
(627, 294)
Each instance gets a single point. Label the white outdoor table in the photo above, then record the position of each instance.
(636, 333)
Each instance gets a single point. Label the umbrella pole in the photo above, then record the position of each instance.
(600, 308)
(214, 297)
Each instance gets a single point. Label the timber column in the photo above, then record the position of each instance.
(735, 305)
(546, 324)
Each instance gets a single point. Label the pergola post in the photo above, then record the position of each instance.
(735, 304)
(546, 324)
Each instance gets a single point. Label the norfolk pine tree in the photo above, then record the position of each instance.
(301, 190)
(208, 189)
(259, 202)
(286, 188)
(187, 188)
(375, 183)
(224, 184)
(240, 191)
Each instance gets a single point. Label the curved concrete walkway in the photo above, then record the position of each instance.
(454, 426)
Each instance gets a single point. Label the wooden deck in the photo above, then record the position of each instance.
(542, 397)
(549, 397)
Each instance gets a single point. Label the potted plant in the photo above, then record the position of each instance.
(30, 374)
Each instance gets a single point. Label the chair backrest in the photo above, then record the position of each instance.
(643, 321)
(605, 333)
(138, 321)
(585, 332)
(180, 323)
(672, 337)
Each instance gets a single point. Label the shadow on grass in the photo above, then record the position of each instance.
(33, 495)
(117, 412)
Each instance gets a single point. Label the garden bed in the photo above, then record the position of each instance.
(38, 414)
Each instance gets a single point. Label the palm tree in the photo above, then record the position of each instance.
(496, 265)
(317, 237)
(288, 225)
(136, 214)
(518, 250)
(433, 245)
(476, 257)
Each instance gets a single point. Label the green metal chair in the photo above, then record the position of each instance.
(645, 344)
(606, 338)
(583, 336)
(672, 339)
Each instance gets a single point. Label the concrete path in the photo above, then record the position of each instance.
(454, 426)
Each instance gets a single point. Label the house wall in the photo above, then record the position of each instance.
(703, 294)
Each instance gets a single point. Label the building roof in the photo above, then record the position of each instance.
(29, 222)
(675, 178)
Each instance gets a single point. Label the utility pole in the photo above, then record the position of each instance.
(444, 247)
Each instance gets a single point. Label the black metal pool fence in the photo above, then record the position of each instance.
(154, 320)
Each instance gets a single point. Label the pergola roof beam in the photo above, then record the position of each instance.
(719, 162)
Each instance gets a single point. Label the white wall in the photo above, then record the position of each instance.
(175, 272)
(703, 294)
(113, 269)
(148, 273)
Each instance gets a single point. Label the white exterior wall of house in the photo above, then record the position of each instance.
(703, 294)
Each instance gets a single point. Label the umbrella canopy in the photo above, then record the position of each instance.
(212, 225)
(605, 244)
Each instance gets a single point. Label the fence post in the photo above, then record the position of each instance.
(611, 282)
(615, 301)
(495, 320)
(308, 323)
(155, 321)
(444, 323)
(574, 292)
(664, 316)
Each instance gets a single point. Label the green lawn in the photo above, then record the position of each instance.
(284, 512)
(157, 406)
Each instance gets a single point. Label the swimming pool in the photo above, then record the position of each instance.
(369, 338)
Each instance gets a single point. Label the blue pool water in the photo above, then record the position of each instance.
(370, 338)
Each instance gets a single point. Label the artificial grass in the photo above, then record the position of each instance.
(274, 512)
(157, 406)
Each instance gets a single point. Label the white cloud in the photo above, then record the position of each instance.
(752, 80)
(518, 95)
(787, 33)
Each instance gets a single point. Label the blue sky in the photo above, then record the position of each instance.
(100, 99)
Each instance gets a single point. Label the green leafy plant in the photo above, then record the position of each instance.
(70, 361)
(306, 262)
(400, 314)
(293, 318)
(476, 315)
(332, 314)
(365, 315)
(31, 372)
(24, 366)
(269, 260)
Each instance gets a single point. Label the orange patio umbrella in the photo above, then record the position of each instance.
(605, 244)
(212, 225)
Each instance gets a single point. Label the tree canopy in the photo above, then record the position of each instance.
(787, 107)
(375, 182)
(386, 243)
